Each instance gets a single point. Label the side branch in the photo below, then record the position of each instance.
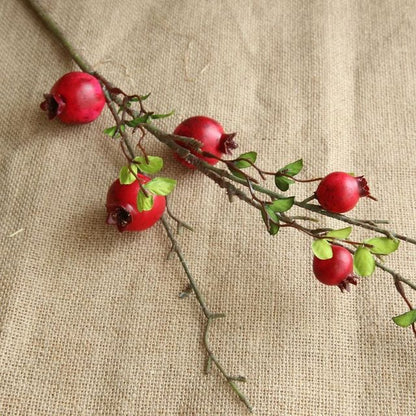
(209, 316)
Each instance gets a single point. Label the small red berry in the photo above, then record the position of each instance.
(338, 270)
(339, 191)
(122, 206)
(210, 133)
(75, 98)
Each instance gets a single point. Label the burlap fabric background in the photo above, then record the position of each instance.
(90, 319)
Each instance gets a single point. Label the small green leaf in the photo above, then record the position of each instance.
(406, 319)
(138, 120)
(282, 204)
(282, 182)
(126, 176)
(236, 173)
(144, 203)
(155, 164)
(383, 245)
(110, 131)
(340, 234)
(322, 249)
(272, 214)
(274, 228)
(293, 168)
(271, 220)
(157, 116)
(144, 97)
(249, 157)
(364, 263)
(160, 186)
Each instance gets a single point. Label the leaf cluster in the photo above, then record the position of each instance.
(156, 186)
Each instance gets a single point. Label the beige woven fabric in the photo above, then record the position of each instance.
(90, 319)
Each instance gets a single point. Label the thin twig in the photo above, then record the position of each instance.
(208, 315)
(179, 222)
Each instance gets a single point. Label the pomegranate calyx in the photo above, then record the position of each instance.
(120, 217)
(53, 104)
(227, 143)
(363, 187)
(345, 285)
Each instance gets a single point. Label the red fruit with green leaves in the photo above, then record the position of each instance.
(122, 206)
(339, 191)
(76, 98)
(336, 271)
(211, 134)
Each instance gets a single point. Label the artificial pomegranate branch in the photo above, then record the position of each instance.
(216, 174)
(333, 263)
(169, 140)
(172, 140)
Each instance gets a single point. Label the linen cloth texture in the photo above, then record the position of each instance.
(90, 319)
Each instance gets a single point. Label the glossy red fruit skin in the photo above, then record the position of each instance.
(122, 207)
(335, 270)
(339, 191)
(210, 133)
(76, 98)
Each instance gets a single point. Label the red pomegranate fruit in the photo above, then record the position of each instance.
(76, 98)
(211, 134)
(122, 206)
(339, 191)
(338, 270)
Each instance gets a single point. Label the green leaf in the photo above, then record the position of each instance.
(282, 204)
(157, 116)
(340, 234)
(249, 156)
(293, 168)
(282, 182)
(155, 164)
(138, 120)
(144, 97)
(236, 173)
(110, 131)
(144, 203)
(271, 220)
(160, 186)
(274, 228)
(126, 176)
(364, 263)
(406, 319)
(271, 213)
(322, 249)
(383, 245)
